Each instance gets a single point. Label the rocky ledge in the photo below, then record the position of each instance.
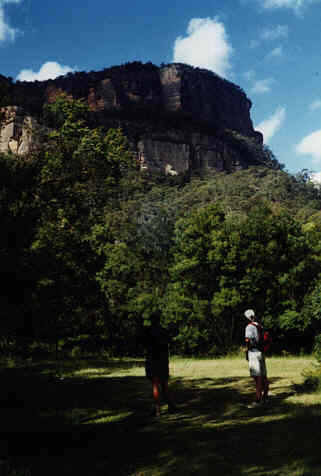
(177, 118)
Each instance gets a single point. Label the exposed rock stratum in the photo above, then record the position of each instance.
(177, 118)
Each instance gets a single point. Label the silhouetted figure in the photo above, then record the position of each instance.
(157, 363)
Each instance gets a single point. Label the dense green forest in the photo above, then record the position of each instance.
(90, 247)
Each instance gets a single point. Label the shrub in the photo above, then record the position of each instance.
(312, 381)
(317, 348)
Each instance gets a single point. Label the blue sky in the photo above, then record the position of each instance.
(271, 48)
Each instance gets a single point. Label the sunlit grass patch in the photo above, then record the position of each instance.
(305, 399)
(288, 367)
(102, 417)
(204, 368)
(91, 373)
(297, 468)
(133, 368)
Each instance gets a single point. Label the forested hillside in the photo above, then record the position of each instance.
(90, 247)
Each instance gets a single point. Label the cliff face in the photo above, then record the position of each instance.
(17, 131)
(177, 118)
(208, 97)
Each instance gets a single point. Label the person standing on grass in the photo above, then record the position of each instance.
(157, 362)
(256, 346)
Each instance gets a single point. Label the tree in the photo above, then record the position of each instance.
(79, 171)
(223, 267)
(134, 246)
(18, 215)
(195, 277)
(311, 312)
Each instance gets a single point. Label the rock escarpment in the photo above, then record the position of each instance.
(177, 118)
(17, 132)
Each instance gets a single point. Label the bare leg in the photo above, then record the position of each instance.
(258, 388)
(156, 395)
(265, 389)
(171, 405)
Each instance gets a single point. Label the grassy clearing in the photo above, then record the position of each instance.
(94, 420)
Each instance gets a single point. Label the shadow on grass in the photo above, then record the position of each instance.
(101, 426)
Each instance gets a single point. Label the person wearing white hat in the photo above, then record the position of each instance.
(255, 352)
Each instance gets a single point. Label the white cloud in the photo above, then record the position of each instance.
(296, 5)
(316, 178)
(315, 105)
(274, 32)
(206, 46)
(276, 53)
(49, 70)
(270, 34)
(262, 86)
(7, 33)
(272, 124)
(311, 145)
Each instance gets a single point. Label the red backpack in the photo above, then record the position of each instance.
(265, 340)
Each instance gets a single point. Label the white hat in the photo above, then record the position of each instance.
(249, 313)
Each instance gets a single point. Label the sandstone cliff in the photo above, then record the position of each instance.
(17, 131)
(177, 118)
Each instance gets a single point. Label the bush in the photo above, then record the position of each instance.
(317, 348)
(84, 345)
(312, 381)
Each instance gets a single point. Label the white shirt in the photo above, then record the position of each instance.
(252, 333)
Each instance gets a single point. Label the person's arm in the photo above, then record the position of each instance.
(247, 342)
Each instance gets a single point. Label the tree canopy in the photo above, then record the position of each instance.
(91, 247)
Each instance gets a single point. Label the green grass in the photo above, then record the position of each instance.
(95, 420)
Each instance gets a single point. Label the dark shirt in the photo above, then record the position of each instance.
(156, 344)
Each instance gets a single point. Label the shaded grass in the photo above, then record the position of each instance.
(94, 420)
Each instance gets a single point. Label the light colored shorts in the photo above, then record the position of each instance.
(257, 364)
